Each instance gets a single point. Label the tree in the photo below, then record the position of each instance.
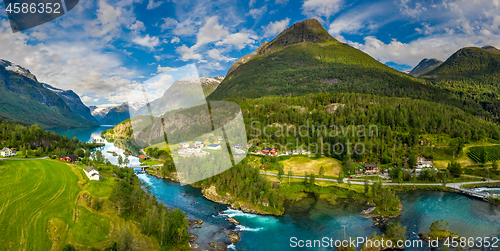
(412, 161)
(494, 166)
(126, 161)
(455, 169)
(321, 172)
(289, 175)
(120, 160)
(340, 179)
(281, 172)
(68, 247)
(367, 186)
(396, 231)
(125, 240)
(483, 155)
(446, 175)
(456, 145)
(312, 179)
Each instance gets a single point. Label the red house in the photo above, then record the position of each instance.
(70, 158)
(270, 151)
(142, 157)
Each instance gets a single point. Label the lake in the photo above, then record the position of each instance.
(311, 219)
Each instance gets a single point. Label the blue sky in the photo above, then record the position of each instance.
(102, 48)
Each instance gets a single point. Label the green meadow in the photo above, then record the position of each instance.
(46, 204)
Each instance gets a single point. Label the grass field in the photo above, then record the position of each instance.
(44, 206)
(301, 164)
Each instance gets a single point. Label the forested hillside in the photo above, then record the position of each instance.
(471, 74)
(402, 123)
(37, 142)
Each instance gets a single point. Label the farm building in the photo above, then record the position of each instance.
(220, 140)
(371, 168)
(142, 157)
(214, 147)
(92, 174)
(69, 158)
(271, 151)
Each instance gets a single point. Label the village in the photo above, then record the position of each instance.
(199, 148)
(362, 169)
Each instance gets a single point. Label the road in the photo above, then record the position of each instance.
(449, 185)
(23, 158)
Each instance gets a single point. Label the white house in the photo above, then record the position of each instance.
(184, 145)
(92, 173)
(6, 152)
(214, 147)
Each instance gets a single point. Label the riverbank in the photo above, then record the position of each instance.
(211, 194)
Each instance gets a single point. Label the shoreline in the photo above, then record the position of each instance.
(212, 195)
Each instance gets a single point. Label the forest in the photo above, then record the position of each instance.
(168, 226)
(34, 141)
(388, 128)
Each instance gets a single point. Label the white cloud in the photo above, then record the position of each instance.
(110, 20)
(160, 69)
(351, 22)
(256, 13)
(240, 40)
(186, 28)
(321, 8)
(175, 40)
(153, 5)
(147, 41)
(273, 28)
(137, 26)
(440, 47)
(188, 53)
(67, 60)
(216, 54)
(212, 31)
(411, 11)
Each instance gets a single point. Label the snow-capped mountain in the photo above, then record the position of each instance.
(17, 68)
(26, 100)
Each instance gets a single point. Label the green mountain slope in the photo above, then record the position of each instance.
(24, 99)
(472, 74)
(306, 59)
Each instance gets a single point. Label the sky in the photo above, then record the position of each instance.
(102, 49)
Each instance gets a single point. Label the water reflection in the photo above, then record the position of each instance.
(117, 146)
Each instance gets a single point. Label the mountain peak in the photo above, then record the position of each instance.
(490, 48)
(17, 68)
(309, 30)
(425, 66)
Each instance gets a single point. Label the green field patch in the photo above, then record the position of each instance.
(481, 154)
(42, 207)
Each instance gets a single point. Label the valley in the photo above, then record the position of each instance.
(306, 136)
